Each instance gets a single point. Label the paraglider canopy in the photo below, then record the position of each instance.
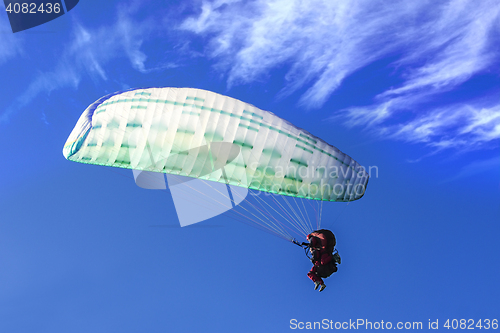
(193, 134)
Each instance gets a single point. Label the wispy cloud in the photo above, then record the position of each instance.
(477, 167)
(10, 46)
(90, 52)
(440, 46)
(45, 82)
(321, 41)
(460, 126)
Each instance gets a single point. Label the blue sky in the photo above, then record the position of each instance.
(411, 89)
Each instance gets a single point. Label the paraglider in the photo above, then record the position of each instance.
(321, 246)
(214, 151)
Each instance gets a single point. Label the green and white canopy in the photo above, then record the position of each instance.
(198, 133)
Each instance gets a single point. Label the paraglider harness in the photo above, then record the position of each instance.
(307, 251)
(329, 268)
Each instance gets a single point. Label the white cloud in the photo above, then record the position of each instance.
(321, 41)
(45, 82)
(457, 45)
(359, 116)
(477, 167)
(483, 123)
(466, 127)
(440, 46)
(90, 51)
(10, 44)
